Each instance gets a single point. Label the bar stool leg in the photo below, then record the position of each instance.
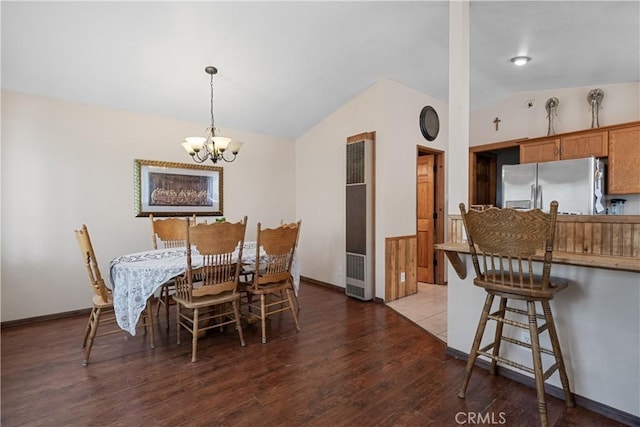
(473, 354)
(555, 343)
(537, 362)
(498, 336)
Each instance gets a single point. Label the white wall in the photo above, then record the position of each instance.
(392, 111)
(621, 104)
(65, 164)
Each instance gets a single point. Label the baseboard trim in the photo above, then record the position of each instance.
(86, 311)
(320, 283)
(45, 318)
(592, 405)
(334, 287)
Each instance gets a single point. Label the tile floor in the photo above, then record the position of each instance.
(427, 309)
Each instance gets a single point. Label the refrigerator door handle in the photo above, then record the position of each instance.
(533, 196)
(539, 197)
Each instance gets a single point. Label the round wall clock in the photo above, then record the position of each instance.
(429, 123)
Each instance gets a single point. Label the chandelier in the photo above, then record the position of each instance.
(211, 146)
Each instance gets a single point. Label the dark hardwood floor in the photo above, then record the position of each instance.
(353, 364)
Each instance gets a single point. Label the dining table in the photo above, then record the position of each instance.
(137, 276)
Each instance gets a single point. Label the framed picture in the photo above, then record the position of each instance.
(177, 189)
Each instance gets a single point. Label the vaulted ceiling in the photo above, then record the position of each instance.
(285, 66)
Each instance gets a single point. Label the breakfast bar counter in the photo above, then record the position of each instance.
(600, 241)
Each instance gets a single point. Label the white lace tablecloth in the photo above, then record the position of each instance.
(135, 277)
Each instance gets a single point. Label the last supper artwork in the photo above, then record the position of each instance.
(180, 190)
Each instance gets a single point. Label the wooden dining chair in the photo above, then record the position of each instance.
(207, 295)
(102, 313)
(246, 275)
(506, 241)
(295, 294)
(168, 233)
(272, 281)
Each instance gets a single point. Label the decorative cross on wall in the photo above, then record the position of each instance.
(497, 122)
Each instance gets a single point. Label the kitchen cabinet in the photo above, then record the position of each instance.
(575, 145)
(540, 150)
(584, 144)
(624, 160)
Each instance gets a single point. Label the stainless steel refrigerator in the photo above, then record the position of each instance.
(576, 184)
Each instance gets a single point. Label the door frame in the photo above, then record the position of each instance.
(438, 203)
(473, 160)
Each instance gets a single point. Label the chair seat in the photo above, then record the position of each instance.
(535, 291)
(207, 300)
(265, 289)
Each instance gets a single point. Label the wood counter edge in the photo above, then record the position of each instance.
(593, 219)
(452, 251)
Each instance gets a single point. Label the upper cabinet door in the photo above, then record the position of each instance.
(624, 160)
(541, 150)
(593, 143)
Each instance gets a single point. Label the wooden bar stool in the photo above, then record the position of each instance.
(507, 240)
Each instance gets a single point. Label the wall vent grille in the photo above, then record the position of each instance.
(355, 163)
(355, 291)
(355, 266)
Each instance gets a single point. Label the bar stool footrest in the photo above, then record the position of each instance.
(507, 362)
(527, 345)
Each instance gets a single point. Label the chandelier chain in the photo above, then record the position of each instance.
(211, 107)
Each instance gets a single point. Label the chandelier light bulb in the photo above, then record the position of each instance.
(520, 60)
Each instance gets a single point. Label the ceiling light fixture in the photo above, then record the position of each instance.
(520, 60)
(211, 146)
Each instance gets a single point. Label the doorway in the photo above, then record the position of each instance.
(486, 179)
(485, 170)
(429, 214)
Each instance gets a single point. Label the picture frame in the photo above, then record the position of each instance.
(177, 189)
